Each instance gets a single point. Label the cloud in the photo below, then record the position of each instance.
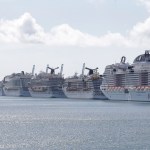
(146, 3)
(95, 1)
(26, 30)
(140, 34)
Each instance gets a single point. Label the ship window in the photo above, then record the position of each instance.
(144, 78)
(84, 84)
(139, 58)
(120, 79)
(69, 84)
(16, 82)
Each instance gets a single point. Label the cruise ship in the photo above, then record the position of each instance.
(1, 89)
(84, 86)
(124, 81)
(47, 85)
(16, 84)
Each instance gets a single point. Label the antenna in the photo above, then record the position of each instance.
(47, 68)
(61, 70)
(83, 68)
(33, 69)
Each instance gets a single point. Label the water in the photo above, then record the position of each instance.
(54, 124)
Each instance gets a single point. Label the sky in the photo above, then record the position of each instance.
(55, 32)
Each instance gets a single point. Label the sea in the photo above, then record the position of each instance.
(73, 124)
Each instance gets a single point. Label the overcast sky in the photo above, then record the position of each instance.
(97, 32)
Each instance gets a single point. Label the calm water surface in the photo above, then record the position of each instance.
(64, 124)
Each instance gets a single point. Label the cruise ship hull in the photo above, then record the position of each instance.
(16, 92)
(132, 95)
(79, 94)
(49, 93)
(84, 94)
(99, 95)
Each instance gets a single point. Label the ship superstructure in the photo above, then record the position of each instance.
(16, 84)
(123, 81)
(84, 86)
(47, 85)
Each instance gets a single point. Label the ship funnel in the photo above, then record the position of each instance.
(61, 70)
(33, 69)
(83, 68)
(47, 68)
(52, 69)
(92, 71)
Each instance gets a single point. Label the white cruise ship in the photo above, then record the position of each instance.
(16, 84)
(84, 86)
(47, 85)
(123, 81)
